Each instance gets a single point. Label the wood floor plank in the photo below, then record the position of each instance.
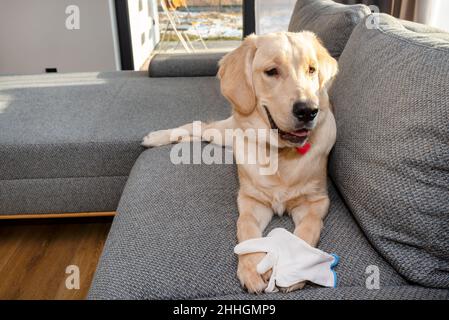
(34, 256)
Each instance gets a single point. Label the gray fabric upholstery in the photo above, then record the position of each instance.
(175, 231)
(61, 195)
(88, 125)
(428, 30)
(405, 292)
(332, 22)
(391, 159)
(185, 65)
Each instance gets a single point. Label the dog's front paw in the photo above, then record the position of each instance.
(156, 139)
(297, 286)
(248, 275)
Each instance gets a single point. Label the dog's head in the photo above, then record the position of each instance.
(280, 77)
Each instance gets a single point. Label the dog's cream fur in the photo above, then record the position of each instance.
(299, 185)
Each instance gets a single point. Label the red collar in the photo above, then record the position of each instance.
(304, 149)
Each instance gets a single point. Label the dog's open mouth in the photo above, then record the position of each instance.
(296, 137)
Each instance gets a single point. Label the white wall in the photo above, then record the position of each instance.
(33, 36)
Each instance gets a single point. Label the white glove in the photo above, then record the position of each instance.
(291, 259)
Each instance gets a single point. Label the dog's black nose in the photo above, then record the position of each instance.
(304, 111)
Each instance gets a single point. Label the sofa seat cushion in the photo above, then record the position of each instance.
(87, 125)
(60, 195)
(175, 231)
(332, 22)
(391, 158)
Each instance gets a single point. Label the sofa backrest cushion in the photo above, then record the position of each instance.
(422, 28)
(185, 65)
(332, 22)
(391, 158)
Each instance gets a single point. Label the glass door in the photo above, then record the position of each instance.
(192, 26)
(273, 15)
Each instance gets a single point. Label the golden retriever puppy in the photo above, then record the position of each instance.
(276, 81)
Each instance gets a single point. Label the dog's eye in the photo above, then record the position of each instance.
(312, 70)
(272, 72)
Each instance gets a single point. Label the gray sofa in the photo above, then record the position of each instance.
(174, 231)
(69, 141)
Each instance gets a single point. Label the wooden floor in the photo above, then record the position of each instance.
(34, 255)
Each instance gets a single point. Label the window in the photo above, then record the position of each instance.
(199, 25)
(146, 27)
(274, 15)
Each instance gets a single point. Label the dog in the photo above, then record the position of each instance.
(276, 81)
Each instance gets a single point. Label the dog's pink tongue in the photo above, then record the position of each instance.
(300, 133)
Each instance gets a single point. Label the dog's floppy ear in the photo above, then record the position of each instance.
(327, 65)
(235, 74)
